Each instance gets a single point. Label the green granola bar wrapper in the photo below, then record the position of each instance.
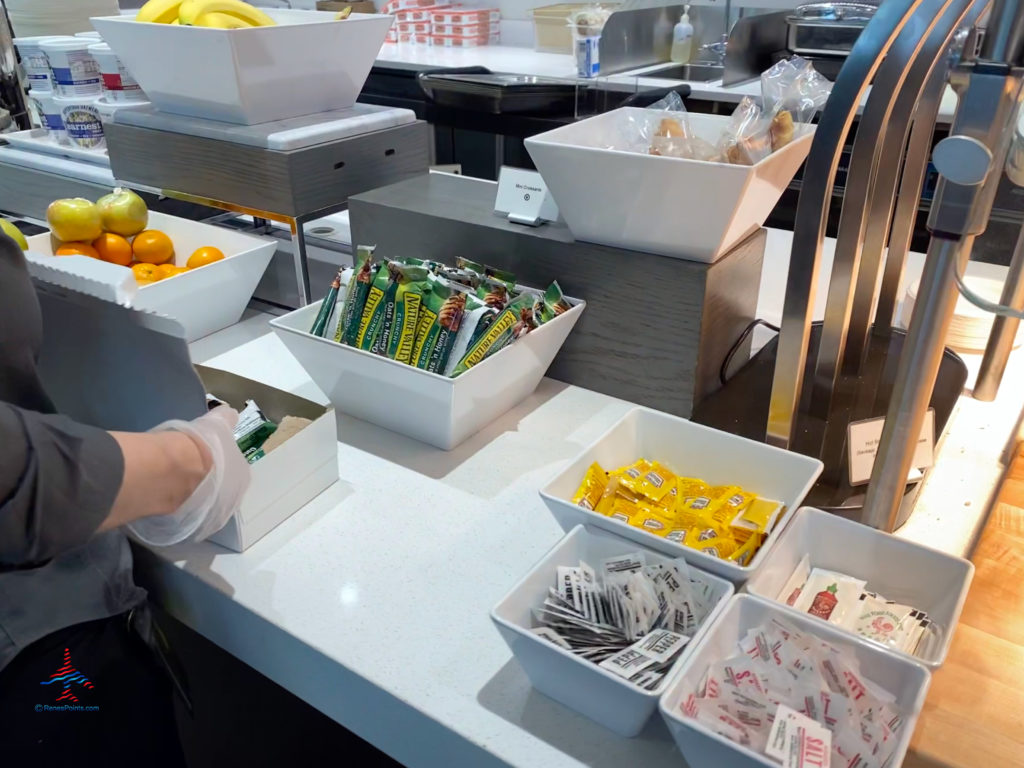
(400, 275)
(355, 296)
(319, 327)
(412, 286)
(381, 290)
(451, 320)
(428, 328)
(513, 321)
(551, 305)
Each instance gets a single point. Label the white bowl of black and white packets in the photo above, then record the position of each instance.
(592, 689)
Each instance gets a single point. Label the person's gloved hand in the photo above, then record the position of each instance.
(220, 493)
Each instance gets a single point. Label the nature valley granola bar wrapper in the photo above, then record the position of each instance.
(427, 327)
(355, 296)
(552, 304)
(381, 292)
(454, 319)
(412, 286)
(500, 331)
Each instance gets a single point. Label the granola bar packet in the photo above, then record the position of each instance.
(380, 291)
(413, 285)
(511, 323)
(355, 295)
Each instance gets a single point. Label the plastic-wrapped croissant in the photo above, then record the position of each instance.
(782, 129)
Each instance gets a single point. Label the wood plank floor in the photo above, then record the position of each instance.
(974, 714)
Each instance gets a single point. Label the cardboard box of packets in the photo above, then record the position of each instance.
(290, 475)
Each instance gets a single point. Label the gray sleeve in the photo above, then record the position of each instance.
(58, 482)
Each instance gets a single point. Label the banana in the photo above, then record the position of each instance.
(222, 21)
(192, 10)
(159, 11)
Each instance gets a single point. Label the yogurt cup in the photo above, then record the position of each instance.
(37, 68)
(82, 121)
(106, 107)
(49, 115)
(118, 84)
(73, 70)
(93, 35)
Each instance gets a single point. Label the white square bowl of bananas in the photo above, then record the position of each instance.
(230, 61)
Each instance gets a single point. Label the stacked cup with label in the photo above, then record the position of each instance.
(120, 90)
(40, 85)
(77, 87)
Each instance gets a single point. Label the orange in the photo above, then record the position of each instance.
(170, 270)
(203, 256)
(76, 249)
(152, 247)
(146, 273)
(113, 248)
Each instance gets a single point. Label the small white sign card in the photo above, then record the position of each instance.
(524, 198)
(862, 445)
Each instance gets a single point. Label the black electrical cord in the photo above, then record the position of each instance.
(723, 371)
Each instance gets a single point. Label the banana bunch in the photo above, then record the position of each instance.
(220, 14)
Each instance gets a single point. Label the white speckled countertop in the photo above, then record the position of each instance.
(371, 603)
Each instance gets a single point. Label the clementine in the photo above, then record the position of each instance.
(113, 248)
(203, 256)
(152, 247)
(146, 273)
(76, 249)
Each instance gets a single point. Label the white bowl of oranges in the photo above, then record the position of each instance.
(198, 274)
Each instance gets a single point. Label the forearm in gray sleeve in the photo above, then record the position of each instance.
(58, 481)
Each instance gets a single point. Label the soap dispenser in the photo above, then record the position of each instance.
(682, 38)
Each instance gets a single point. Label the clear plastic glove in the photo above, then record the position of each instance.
(219, 494)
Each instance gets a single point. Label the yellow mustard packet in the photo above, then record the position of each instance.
(592, 488)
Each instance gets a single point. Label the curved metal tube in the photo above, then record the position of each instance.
(926, 83)
(915, 168)
(819, 175)
(877, 151)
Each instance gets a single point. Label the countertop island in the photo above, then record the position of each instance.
(372, 602)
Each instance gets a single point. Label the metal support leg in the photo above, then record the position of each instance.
(970, 163)
(1004, 329)
(919, 365)
(301, 264)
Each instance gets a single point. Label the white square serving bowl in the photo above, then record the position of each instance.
(307, 63)
(688, 209)
(426, 406)
(701, 748)
(691, 450)
(578, 683)
(895, 568)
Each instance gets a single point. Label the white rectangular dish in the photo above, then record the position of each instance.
(701, 748)
(203, 300)
(309, 62)
(426, 406)
(688, 209)
(691, 450)
(38, 140)
(895, 568)
(579, 683)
